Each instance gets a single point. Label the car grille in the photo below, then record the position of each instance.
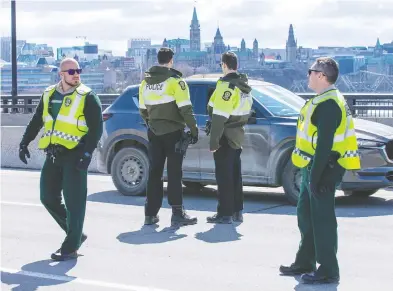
(389, 149)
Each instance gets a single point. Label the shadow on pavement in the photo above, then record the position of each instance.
(28, 281)
(219, 233)
(149, 235)
(257, 203)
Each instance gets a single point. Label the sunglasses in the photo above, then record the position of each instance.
(73, 71)
(310, 71)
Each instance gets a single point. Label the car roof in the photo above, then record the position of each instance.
(212, 80)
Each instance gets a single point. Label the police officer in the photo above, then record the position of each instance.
(165, 106)
(229, 108)
(325, 147)
(70, 113)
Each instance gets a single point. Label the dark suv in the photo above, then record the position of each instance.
(269, 141)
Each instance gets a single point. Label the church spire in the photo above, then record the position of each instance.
(218, 33)
(194, 20)
(291, 37)
(195, 33)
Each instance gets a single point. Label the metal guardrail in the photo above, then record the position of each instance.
(361, 104)
(28, 103)
(366, 104)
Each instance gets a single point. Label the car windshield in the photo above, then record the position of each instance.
(277, 100)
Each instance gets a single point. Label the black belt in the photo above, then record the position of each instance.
(54, 150)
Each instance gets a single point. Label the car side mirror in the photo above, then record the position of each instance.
(253, 117)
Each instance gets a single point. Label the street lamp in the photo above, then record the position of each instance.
(14, 91)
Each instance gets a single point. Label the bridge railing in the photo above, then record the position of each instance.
(361, 104)
(366, 104)
(28, 103)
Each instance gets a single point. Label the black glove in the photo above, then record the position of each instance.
(194, 138)
(23, 153)
(84, 162)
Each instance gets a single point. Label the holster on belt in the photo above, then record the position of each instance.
(334, 156)
(54, 151)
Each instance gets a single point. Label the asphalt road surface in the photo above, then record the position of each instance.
(121, 254)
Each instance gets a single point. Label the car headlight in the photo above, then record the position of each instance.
(369, 143)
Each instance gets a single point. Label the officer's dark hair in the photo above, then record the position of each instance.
(230, 59)
(165, 55)
(329, 67)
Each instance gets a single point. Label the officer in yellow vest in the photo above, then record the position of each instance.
(229, 108)
(326, 146)
(165, 106)
(70, 114)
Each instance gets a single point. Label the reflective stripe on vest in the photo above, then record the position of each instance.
(345, 142)
(70, 125)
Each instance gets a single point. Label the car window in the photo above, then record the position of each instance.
(278, 101)
(128, 99)
(198, 95)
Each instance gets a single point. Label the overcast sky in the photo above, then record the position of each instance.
(111, 23)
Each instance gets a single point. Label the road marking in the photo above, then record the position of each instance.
(21, 204)
(80, 280)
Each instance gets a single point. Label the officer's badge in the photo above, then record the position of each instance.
(182, 85)
(67, 102)
(227, 95)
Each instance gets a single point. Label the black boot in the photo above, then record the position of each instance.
(59, 256)
(218, 218)
(238, 216)
(294, 270)
(83, 239)
(149, 220)
(180, 217)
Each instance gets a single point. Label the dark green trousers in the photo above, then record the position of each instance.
(318, 225)
(62, 175)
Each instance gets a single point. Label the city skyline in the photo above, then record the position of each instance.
(103, 22)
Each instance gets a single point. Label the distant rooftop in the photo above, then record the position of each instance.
(173, 42)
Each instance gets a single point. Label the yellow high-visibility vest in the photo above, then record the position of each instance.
(345, 142)
(70, 124)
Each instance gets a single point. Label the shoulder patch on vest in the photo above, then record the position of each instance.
(50, 88)
(82, 89)
(227, 95)
(182, 85)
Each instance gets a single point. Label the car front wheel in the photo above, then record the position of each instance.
(291, 179)
(130, 171)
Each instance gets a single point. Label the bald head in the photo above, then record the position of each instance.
(68, 63)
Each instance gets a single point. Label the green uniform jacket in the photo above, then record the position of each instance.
(164, 101)
(327, 118)
(229, 109)
(92, 112)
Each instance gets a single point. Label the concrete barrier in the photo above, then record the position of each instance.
(15, 119)
(10, 139)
